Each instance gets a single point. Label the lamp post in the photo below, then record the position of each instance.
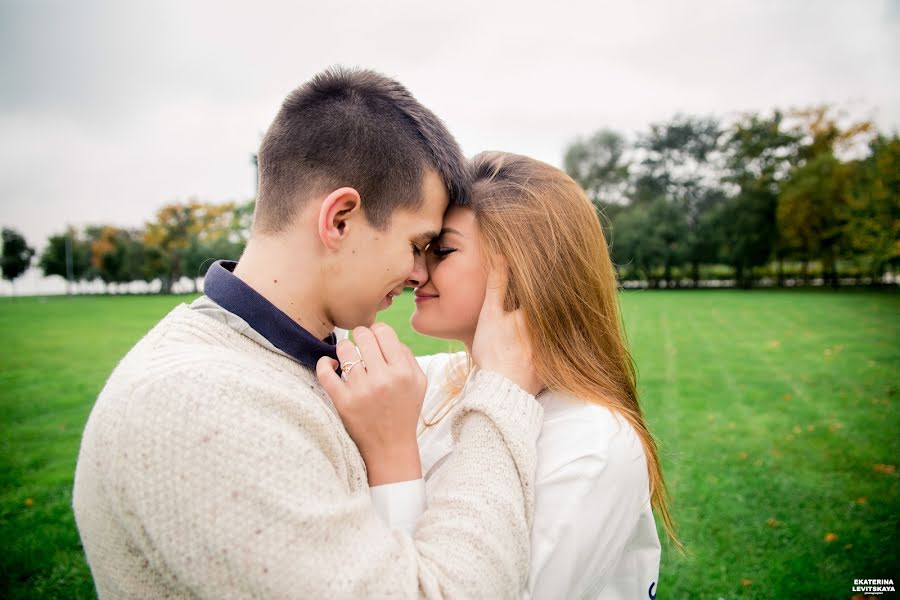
(69, 266)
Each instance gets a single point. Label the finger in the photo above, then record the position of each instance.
(369, 349)
(499, 274)
(329, 380)
(521, 325)
(346, 350)
(394, 351)
(496, 285)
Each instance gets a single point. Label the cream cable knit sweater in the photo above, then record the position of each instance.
(213, 467)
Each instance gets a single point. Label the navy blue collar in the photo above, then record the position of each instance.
(224, 288)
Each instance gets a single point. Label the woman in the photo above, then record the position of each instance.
(594, 534)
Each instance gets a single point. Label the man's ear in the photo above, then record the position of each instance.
(335, 214)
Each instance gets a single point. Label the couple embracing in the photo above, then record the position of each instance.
(247, 448)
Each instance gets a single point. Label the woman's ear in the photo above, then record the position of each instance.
(338, 209)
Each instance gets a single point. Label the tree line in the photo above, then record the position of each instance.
(786, 196)
(182, 240)
(782, 195)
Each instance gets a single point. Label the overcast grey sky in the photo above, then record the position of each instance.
(109, 110)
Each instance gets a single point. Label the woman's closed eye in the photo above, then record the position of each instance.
(441, 251)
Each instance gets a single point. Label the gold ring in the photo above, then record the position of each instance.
(347, 366)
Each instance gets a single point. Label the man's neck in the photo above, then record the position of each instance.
(284, 276)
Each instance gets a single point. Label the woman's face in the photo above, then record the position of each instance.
(448, 305)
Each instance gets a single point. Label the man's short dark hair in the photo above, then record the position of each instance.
(356, 128)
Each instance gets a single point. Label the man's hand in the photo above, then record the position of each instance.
(379, 402)
(500, 343)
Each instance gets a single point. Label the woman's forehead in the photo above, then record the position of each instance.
(460, 219)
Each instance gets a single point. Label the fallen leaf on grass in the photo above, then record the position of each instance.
(830, 537)
(835, 426)
(886, 469)
(811, 428)
(773, 344)
(848, 546)
(29, 502)
(798, 429)
(773, 522)
(746, 582)
(861, 500)
(742, 455)
(787, 397)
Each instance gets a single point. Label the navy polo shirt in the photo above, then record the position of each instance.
(224, 288)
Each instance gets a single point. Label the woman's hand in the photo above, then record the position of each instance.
(379, 401)
(501, 344)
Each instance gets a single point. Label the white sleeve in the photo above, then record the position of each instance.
(425, 361)
(400, 504)
(585, 512)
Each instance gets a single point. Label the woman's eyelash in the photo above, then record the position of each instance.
(440, 251)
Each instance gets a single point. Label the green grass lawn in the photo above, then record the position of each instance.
(774, 410)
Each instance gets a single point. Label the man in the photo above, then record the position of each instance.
(214, 464)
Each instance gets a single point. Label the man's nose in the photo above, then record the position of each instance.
(419, 275)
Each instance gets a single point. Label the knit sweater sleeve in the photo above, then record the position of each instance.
(228, 497)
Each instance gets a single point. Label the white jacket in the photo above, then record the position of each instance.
(594, 535)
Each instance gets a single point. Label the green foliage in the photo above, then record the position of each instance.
(16, 256)
(873, 227)
(650, 234)
(53, 259)
(599, 166)
(691, 193)
(188, 237)
(813, 210)
(184, 240)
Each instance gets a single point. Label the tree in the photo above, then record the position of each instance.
(760, 152)
(683, 164)
(813, 211)
(67, 255)
(118, 255)
(649, 236)
(814, 204)
(16, 256)
(599, 166)
(873, 224)
(185, 237)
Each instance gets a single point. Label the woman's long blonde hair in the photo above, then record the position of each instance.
(562, 278)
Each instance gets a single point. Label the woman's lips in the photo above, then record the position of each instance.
(424, 298)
